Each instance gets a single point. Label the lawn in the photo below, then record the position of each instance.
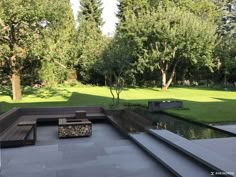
(202, 105)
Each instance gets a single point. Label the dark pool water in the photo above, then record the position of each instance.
(183, 128)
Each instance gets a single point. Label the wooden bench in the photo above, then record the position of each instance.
(44, 115)
(18, 136)
(33, 127)
(91, 111)
(13, 135)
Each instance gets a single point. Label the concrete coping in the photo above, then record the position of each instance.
(203, 155)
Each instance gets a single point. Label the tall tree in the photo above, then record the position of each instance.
(127, 8)
(206, 9)
(91, 11)
(227, 20)
(24, 24)
(89, 36)
(19, 29)
(167, 37)
(225, 53)
(58, 44)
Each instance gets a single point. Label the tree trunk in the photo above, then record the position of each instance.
(118, 99)
(16, 86)
(112, 94)
(164, 78)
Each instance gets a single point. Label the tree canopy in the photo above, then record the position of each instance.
(156, 41)
(90, 41)
(168, 36)
(23, 26)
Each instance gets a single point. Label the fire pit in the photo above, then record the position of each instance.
(68, 128)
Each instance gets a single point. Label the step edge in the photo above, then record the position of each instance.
(185, 151)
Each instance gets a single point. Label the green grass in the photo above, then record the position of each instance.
(202, 105)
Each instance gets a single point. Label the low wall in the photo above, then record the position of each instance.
(155, 106)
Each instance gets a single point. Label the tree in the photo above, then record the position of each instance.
(227, 19)
(91, 11)
(115, 66)
(225, 53)
(58, 44)
(226, 60)
(90, 41)
(206, 9)
(167, 37)
(24, 28)
(127, 8)
(19, 29)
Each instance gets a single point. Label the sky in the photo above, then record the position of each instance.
(109, 14)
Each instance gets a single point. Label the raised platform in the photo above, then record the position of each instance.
(155, 106)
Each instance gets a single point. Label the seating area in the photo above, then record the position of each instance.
(18, 126)
(167, 149)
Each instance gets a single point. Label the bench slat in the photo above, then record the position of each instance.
(18, 133)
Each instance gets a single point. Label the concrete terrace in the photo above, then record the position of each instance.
(105, 154)
(223, 146)
(151, 152)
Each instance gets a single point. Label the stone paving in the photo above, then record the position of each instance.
(230, 128)
(105, 154)
(223, 146)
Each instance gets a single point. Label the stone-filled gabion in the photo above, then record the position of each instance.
(74, 129)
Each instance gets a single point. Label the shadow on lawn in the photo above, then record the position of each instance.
(221, 109)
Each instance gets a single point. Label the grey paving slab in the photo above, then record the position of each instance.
(229, 128)
(180, 164)
(93, 171)
(105, 153)
(42, 173)
(205, 156)
(119, 149)
(224, 146)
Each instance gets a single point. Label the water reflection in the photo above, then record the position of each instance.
(182, 128)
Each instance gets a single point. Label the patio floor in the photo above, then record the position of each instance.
(105, 154)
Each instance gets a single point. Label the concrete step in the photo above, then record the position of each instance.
(213, 160)
(177, 162)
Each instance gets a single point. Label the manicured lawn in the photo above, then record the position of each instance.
(201, 104)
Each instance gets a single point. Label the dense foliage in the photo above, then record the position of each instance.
(33, 36)
(90, 41)
(157, 43)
